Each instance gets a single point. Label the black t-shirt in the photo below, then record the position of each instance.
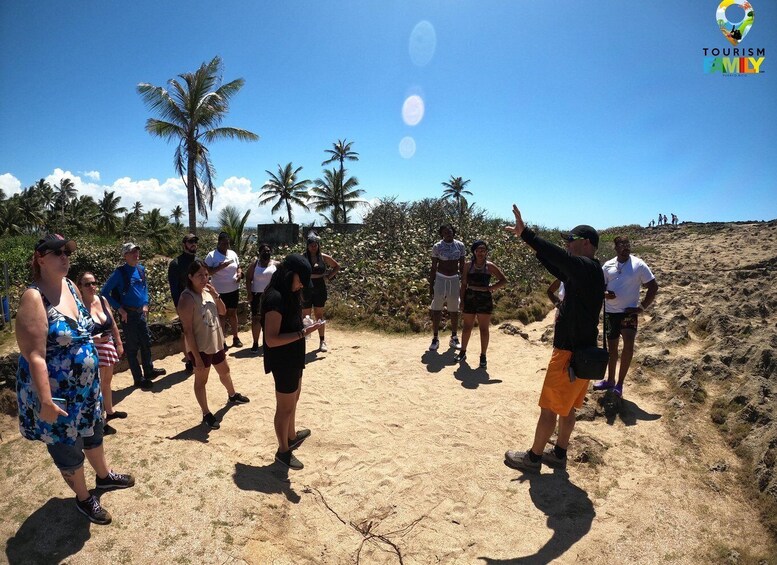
(177, 273)
(291, 355)
(577, 324)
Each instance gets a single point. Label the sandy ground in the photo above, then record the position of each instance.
(405, 458)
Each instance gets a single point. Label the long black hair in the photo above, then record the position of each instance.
(281, 281)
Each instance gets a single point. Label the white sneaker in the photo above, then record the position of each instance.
(322, 347)
(435, 344)
(455, 342)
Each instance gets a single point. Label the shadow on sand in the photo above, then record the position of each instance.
(569, 510)
(436, 361)
(625, 410)
(51, 534)
(269, 479)
(472, 378)
(200, 432)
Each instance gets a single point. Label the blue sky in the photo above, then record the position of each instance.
(594, 113)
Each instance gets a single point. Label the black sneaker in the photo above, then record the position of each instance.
(236, 342)
(210, 421)
(289, 460)
(92, 509)
(255, 347)
(108, 430)
(301, 436)
(116, 414)
(460, 356)
(238, 398)
(483, 362)
(115, 480)
(157, 373)
(145, 384)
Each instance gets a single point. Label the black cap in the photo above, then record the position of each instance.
(298, 264)
(190, 237)
(54, 241)
(586, 232)
(223, 235)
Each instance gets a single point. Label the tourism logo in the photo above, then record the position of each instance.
(734, 60)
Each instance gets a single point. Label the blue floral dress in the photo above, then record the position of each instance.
(72, 363)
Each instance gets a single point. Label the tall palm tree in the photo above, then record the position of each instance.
(156, 227)
(454, 190)
(31, 210)
(332, 192)
(45, 193)
(108, 216)
(231, 222)
(341, 152)
(191, 114)
(286, 188)
(83, 212)
(65, 192)
(137, 209)
(177, 213)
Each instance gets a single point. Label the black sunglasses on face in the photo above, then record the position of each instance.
(570, 238)
(93, 283)
(59, 252)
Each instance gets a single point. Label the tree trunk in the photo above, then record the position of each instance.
(288, 209)
(191, 186)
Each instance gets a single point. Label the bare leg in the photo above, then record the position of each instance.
(484, 324)
(466, 332)
(200, 391)
(626, 354)
(454, 322)
(106, 376)
(612, 344)
(292, 419)
(284, 407)
(232, 315)
(565, 426)
(436, 314)
(546, 425)
(97, 460)
(320, 316)
(256, 328)
(224, 376)
(77, 483)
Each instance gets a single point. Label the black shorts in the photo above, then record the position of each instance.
(615, 322)
(209, 359)
(230, 299)
(255, 303)
(477, 302)
(316, 296)
(287, 380)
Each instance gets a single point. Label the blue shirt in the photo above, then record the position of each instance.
(136, 295)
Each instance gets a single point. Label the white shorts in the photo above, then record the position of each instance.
(446, 289)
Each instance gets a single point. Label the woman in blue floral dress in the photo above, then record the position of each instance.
(57, 384)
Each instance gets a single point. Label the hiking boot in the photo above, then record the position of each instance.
(322, 346)
(236, 342)
(455, 342)
(238, 398)
(116, 414)
(604, 384)
(550, 459)
(289, 460)
(520, 460)
(435, 344)
(115, 480)
(301, 436)
(156, 373)
(460, 356)
(483, 362)
(92, 509)
(210, 421)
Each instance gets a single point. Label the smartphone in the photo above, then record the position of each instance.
(60, 402)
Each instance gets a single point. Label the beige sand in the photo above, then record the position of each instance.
(406, 452)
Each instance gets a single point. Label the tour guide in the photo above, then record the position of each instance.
(576, 326)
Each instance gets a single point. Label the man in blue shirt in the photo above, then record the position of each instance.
(127, 291)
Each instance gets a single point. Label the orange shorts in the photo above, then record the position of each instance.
(558, 394)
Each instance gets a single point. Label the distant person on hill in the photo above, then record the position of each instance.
(476, 289)
(674, 220)
(126, 290)
(284, 350)
(57, 384)
(199, 309)
(448, 256)
(224, 267)
(556, 293)
(660, 218)
(324, 268)
(177, 278)
(624, 275)
(260, 271)
(106, 337)
(576, 327)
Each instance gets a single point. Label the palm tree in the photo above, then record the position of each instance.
(341, 152)
(454, 190)
(45, 193)
(177, 213)
(156, 227)
(31, 210)
(108, 216)
(65, 192)
(286, 188)
(191, 113)
(234, 225)
(332, 192)
(83, 212)
(137, 209)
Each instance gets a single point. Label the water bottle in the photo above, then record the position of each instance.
(307, 321)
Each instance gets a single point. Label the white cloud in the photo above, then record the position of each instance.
(10, 184)
(94, 175)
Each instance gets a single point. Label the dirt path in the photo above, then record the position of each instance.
(407, 451)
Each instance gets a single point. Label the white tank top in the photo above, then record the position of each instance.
(262, 276)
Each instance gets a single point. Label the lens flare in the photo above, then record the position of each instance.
(413, 110)
(422, 43)
(407, 147)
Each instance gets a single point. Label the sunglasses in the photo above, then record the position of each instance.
(59, 252)
(93, 283)
(571, 237)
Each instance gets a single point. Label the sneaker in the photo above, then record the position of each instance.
(236, 342)
(289, 460)
(520, 460)
(145, 384)
(322, 347)
(255, 347)
(455, 342)
(116, 480)
(483, 362)
(157, 373)
(210, 421)
(92, 509)
(116, 414)
(550, 459)
(604, 384)
(618, 390)
(460, 356)
(108, 430)
(435, 344)
(238, 398)
(301, 436)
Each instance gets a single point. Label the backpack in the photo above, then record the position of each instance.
(119, 295)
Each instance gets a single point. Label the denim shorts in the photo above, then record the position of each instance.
(71, 457)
